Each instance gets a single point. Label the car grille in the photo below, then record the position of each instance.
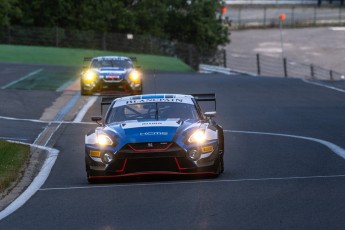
(151, 150)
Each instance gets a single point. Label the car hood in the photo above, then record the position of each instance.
(111, 71)
(150, 131)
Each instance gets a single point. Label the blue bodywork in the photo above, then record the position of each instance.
(155, 142)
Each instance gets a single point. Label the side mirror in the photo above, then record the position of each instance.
(210, 114)
(97, 119)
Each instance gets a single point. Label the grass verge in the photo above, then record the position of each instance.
(12, 158)
(74, 57)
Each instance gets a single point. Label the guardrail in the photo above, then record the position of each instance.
(270, 2)
(282, 2)
(262, 65)
(203, 68)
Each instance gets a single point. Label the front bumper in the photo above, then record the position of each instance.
(129, 161)
(121, 85)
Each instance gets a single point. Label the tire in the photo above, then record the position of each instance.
(221, 159)
(85, 92)
(91, 180)
(218, 167)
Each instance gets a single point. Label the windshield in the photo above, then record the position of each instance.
(153, 111)
(111, 63)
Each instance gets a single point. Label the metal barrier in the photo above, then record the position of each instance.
(282, 2)
(262, 65)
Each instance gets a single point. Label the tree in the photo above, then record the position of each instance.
(9, 10)
(196, 22)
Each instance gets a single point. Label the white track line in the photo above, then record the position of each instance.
(334, 148)
(194, 182)
(325, 86)
(85, 108)
(337, 28)
(36, 183)
(21, 79)
(14, 139)
(46, 122)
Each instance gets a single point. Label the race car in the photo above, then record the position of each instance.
(110, 74)
(154, 134)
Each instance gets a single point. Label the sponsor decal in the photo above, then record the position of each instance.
(152, 123)
(154, 134)
(154, 100)
(132, 125)
(112, 77)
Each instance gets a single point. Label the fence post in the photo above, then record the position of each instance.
(265, 16)
(314, 16)
(339, 14)
(224, 56)
(239, 17)
(312, 71)
(104, 40)
(285, 67)
(331, 75)
(292, 16)
(190, 55)
(9, 35)
(258, 64)
(57, 36)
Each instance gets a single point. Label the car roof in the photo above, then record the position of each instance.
(179, 98)
(154, 96)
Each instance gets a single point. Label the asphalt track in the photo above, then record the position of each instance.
(270, 181)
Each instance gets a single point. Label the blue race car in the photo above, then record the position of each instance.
(154, 134)
(111, 74)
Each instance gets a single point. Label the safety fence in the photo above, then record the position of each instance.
(133, 43)
(263, 65)
(242, 17)
(284, 2)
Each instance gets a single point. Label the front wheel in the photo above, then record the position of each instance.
(85, 92)
(91, 180)
(221, 159)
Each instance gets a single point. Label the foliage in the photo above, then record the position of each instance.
(196, 22)
(9, 10)
(13, 157)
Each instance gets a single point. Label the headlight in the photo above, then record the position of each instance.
(89, 76)
(103, 139)
(134, 76)
(198, 136)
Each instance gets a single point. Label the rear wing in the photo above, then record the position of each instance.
(87, 58)
(206, 97)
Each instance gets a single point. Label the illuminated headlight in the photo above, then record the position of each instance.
(198, 136)
(107, 157)
(90, 76)
(134, 76)
(103, 140)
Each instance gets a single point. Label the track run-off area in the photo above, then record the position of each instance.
(284, 159)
